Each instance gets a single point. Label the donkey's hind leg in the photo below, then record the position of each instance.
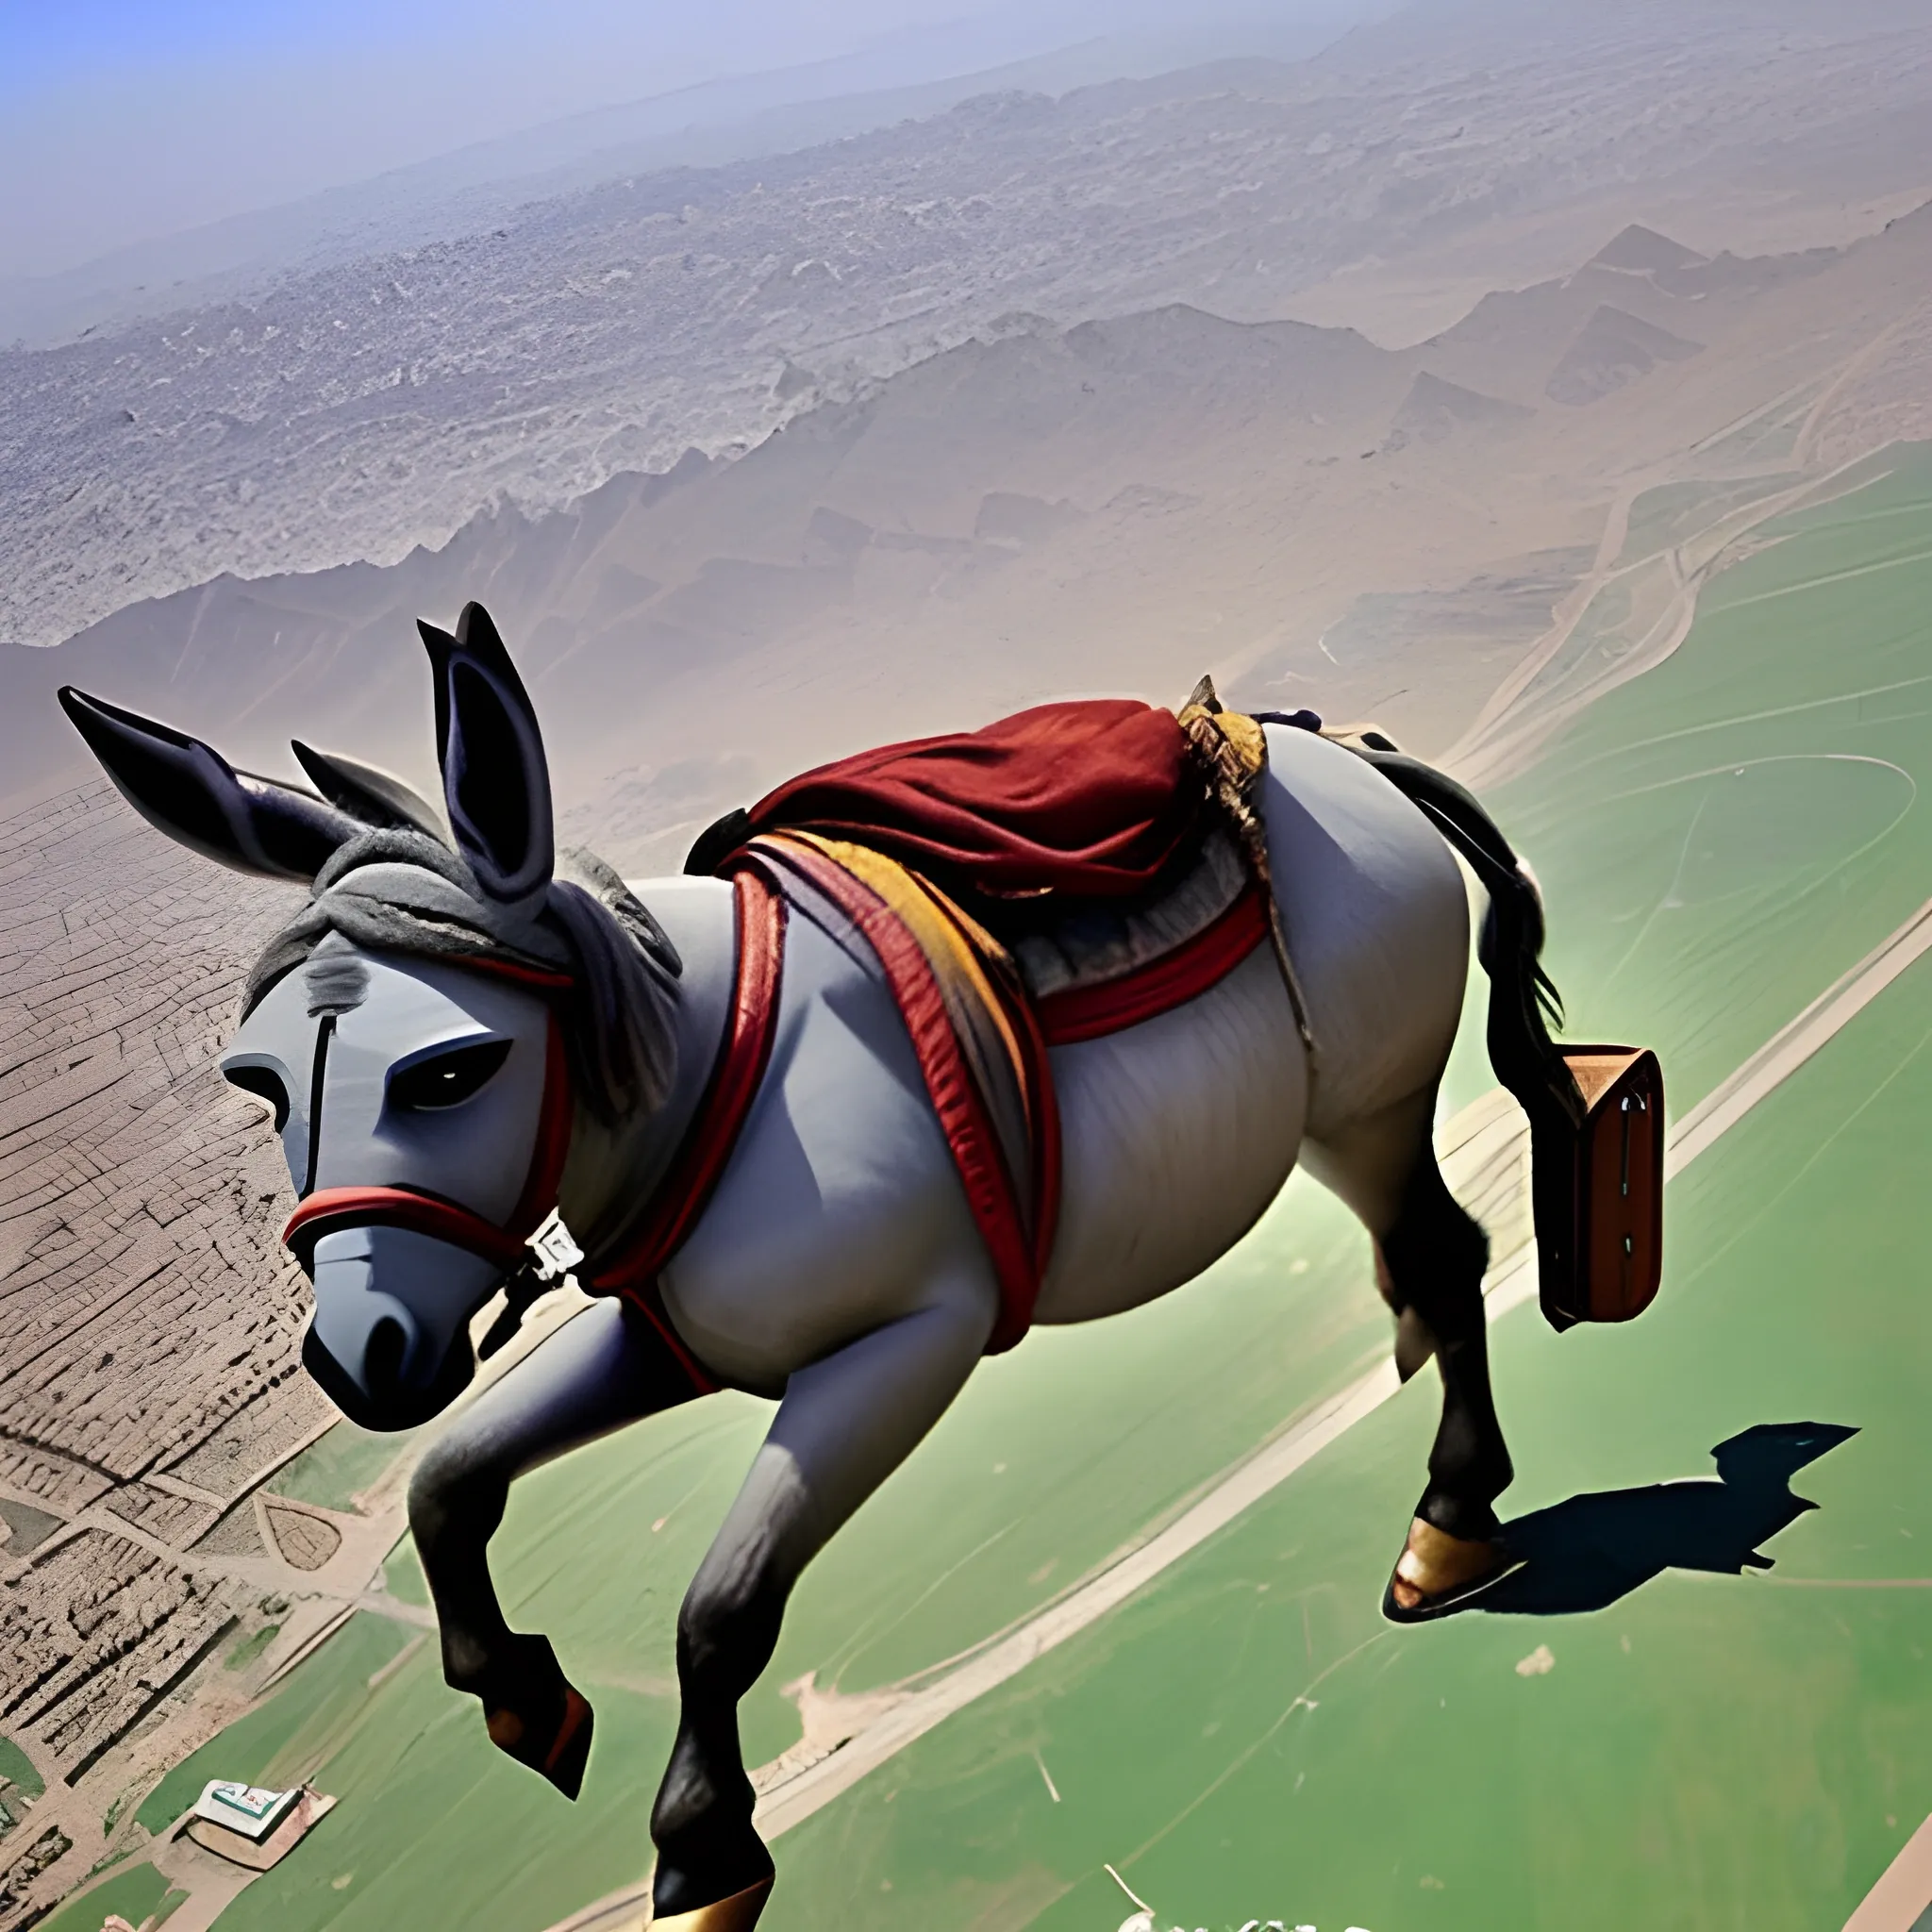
(600, 1371)
(1430, 1260)
(844, 1424)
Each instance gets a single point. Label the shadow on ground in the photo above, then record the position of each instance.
(1586, 1553)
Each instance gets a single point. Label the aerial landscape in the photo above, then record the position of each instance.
(1547, 387)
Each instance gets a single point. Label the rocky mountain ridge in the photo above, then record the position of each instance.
(362, 410)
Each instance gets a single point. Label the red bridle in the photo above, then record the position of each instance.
(329, 1209)
(736, 1075)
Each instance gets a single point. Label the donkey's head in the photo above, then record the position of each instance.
(429, 1028)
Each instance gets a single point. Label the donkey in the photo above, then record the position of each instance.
(410, 1032)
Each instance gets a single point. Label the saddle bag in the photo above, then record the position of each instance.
(1597, 1165)
(1596, 1113)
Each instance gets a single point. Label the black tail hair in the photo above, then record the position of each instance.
(1524, 1001)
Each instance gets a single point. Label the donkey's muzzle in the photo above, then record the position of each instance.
(389, 1344)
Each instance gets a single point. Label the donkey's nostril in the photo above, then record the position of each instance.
(389, 1342)
(383, 1356)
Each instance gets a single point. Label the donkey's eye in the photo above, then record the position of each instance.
(447, 1080)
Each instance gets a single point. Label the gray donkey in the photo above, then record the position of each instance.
(463, 1030)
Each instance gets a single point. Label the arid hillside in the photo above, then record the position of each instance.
(1117, 505)
(353, 412)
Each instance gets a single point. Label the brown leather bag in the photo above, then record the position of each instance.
(1596, 1113)
(1598, 1169)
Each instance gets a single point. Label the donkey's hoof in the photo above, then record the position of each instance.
(738, 1913)
(1438, 1573)
(555, 1745)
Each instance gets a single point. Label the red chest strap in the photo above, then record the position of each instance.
(681, 1197)
(736, 1074)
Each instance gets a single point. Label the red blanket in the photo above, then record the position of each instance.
(1089, 799)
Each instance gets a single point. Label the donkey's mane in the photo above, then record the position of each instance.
(402, 892)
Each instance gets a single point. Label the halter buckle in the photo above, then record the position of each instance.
(554, 1250)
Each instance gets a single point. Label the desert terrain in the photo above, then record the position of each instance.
(350, 413)
(1441, 380)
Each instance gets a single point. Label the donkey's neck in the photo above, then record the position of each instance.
(613, 1175)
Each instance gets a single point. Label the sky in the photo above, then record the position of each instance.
(124, 120)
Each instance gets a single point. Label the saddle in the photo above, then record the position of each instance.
(1074, 871)
(1094, 844)
(1060, 876)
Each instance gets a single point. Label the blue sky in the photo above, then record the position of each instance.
(125, 120)
(122, 121)
(46, 42)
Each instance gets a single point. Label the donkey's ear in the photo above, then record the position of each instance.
(368, 793)
(189, 791)
(495, 780)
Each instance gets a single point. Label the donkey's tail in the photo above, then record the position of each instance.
(1524, 1002)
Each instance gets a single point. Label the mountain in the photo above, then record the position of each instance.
(382, 397)
(1639, 250)
(878, 518)
(1434, 409)
(477, 186)
(1613, 349)
(1036, 511)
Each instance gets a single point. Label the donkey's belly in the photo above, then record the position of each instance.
(1176, 1135)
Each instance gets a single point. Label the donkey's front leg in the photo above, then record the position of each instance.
(600, 1371)
(844, 1424)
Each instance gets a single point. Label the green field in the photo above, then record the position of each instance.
(336, 1466)
(1054, 1457)
(17, 1769)
(1248, 1739)
(1718, 840)
(141, 1896)
(284, 1739)
(1721, 838)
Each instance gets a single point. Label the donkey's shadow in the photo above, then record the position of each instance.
(1586, 1553)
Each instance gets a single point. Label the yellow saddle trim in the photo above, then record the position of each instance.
(1231, 751)
(964, 958)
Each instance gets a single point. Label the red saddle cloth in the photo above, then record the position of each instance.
(1090, 799)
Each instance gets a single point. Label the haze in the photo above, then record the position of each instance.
(119, 123)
